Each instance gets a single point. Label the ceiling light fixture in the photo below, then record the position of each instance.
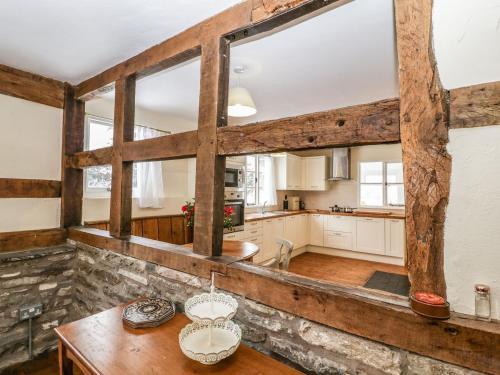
(240, 102)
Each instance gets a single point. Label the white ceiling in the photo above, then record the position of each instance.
(73, 40)
(344, 56)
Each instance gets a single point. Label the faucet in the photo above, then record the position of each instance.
(263, 209)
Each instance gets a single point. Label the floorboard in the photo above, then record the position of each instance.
(338, 269)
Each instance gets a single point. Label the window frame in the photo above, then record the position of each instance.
(384, 184)
(257, 182)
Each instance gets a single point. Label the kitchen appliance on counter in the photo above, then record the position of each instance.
(293, 203)
(339, 209)
(238, 215)
(234, 179)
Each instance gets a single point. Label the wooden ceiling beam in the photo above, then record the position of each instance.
(29, 188)
(85, 159)
(32, 87)
(473, 106)
(364, 124)
(172, 146)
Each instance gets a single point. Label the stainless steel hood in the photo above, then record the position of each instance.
(341, 164)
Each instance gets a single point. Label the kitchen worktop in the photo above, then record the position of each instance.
(365, 213)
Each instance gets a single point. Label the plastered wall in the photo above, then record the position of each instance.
(30, 147)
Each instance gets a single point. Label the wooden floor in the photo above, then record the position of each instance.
(46, 364)
(339, 270)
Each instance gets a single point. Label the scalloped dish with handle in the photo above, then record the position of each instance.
(210, 307)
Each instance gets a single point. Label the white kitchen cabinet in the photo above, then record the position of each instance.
(296, 173)
(302, 230)
(370, 235)
(339, 223)
(316, 228)
(395, 238)
(338, 240)
(288, 171)
(272, 230)
(314, 171)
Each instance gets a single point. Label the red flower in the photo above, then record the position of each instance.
(184, 208)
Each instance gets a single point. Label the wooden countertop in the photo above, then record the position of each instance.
(103, 345)
(274, 214)
(238, 249)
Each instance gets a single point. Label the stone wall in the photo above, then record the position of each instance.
(104, 279)
(42, 276)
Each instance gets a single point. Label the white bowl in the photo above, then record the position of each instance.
(210, 308)
(194, 341)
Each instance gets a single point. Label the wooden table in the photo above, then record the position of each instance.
(102, 345)
(238, 249)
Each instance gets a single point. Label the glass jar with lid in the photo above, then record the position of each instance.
(483, 304)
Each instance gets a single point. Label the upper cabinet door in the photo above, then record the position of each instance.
(315, 173)
(293, 172)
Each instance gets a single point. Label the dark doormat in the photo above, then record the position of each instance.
(389, 282)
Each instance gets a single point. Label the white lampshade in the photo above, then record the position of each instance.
(240, 103)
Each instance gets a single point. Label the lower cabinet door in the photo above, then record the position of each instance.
(395, 237)
(370, 235)
(338, 240)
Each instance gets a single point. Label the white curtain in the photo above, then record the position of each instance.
(149, 175)
(268, 192)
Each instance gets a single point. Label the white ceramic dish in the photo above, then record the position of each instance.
(209, 344)
(211, 308)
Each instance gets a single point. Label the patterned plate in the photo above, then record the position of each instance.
(148, 312)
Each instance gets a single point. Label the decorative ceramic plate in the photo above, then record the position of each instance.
(210, 307)
(148, 312)
(194, 341)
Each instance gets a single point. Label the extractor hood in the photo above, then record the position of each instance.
(341, 164)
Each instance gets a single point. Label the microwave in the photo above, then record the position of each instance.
(234, 179)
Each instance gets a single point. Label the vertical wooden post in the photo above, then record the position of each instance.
(72, 141)
(424, 135)
(121, 182)
(210, 168)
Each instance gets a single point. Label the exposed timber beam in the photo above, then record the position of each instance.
(71, 179)
(92, 158)
(30, 239)
(363, 124)
(210, 167)
(29, 188)
(424, 135)
(122, 171)
(32, 87)
(178, 145)
(474, 106)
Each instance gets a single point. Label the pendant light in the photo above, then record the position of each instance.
(240, 102)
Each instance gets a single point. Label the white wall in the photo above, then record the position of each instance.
(178, 175)
(344, 193)
(30, 147)
(467, 45)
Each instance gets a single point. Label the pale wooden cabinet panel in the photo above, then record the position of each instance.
(290, 232)
(315, 173)
(338, 240)
(395, 238)
(338, 223)
(316, 228)
(272, 231)
(302, 230)
(370, 235)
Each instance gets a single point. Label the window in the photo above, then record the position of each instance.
(260, 181)
(99, 134)
(381, 184)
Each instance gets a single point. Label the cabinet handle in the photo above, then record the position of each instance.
(253, 232)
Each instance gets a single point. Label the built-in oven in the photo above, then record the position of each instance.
(234, 178)
(238, 214)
